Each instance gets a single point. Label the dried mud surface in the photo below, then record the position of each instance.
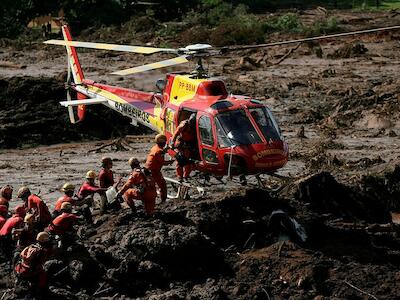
(345, 179)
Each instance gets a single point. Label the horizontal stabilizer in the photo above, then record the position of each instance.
(82, 102)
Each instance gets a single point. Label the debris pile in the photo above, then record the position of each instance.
(31, 115)
(214, 249)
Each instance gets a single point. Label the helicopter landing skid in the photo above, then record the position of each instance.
(183, 188)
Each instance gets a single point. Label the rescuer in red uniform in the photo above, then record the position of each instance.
(140, 186)
(106, 179)
(24, 236)
(88, 189)
(63, 225)
(3, 215)
(68, 189)
(6, 195)
(30, 267)
(155, 161)
(184, 140)
(106, 175)
(36, 206)
(15, 222)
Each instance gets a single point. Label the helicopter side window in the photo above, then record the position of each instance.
(205, 129)
(169, 120)
(265, 123)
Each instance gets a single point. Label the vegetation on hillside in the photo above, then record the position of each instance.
(238, 16)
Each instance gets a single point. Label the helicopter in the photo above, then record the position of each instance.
(235, 135)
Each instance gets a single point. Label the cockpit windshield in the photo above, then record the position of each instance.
(265, 121)
(235, 128)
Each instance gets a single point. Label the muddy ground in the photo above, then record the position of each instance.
(344, 174)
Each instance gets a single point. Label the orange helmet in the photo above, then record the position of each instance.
(6, 192)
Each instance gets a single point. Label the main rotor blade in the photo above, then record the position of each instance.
(309, 39)
(114, 47)
(161, 64)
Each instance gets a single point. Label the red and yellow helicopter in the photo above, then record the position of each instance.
(235, 134)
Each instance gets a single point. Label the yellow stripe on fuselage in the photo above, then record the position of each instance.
(154, 120)
(184, 88)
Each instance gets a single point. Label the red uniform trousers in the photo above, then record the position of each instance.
(186, 169)
(148, 198)
(161, 183)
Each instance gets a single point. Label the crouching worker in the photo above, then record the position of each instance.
(140, 186)
(63, 226)
(36, 206)
(68, 189)
(88, 189)
(15, 222)
(30, 267)
(24, 236)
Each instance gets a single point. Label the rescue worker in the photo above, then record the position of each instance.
(106, 175)
(106, 179)
(6, 195)
(140, 186)
(30, 267)
(24, 236)
(15, 222)
(68, 189)
(63, 225)
(184, 140)
(3, 215)
(155, 161)
(89, 188)
(36, 206)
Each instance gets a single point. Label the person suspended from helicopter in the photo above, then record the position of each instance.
(140, 186)
(155, 161)
(184, 141)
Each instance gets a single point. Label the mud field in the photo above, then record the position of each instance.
(343, 188)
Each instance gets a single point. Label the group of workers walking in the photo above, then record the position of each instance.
(28, 235)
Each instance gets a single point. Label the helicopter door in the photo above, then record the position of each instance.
(207, 144)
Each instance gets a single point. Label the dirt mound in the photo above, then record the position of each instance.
(30, 115)
(327, 196)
